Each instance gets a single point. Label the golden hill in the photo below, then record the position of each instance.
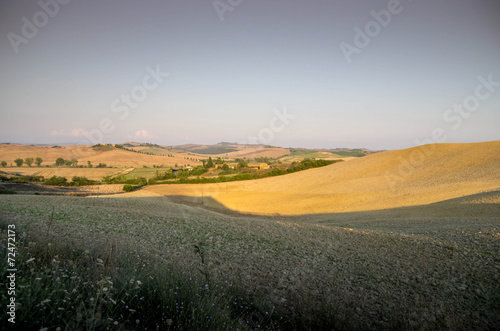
(400, 178)
(114, 157)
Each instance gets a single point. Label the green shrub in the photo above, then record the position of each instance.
(4, 191)
(57, 181)
(128, 188)
(82, 181)
(198, 171)
(27, 179)
(277, 172)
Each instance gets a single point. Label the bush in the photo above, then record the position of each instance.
(82, 181)
(197, 171)
(3, 191)
(57, 181)
(277, 172)
(128, 188)
(27, 179)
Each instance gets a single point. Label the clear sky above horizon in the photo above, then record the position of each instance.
(284, 72)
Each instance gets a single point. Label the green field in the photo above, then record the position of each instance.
(351, 152)
(212, 150)
(153, 150)
(147, 173)
(300, 154)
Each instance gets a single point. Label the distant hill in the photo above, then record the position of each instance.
(234, 150)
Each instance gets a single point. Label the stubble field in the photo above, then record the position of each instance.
(348, 271)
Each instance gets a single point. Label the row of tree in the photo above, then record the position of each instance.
(28, 161)
(59, 162)
(54, 180)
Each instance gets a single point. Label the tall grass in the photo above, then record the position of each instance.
(63, 287)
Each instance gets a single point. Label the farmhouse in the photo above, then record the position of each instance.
(256, 165)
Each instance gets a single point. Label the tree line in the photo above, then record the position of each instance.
(59, 163)
(28, 161)
(54, 180)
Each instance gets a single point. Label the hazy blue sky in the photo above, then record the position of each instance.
(233, 64)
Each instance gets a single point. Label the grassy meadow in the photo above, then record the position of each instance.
(104, 263)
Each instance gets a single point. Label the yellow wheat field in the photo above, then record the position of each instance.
(400, 178)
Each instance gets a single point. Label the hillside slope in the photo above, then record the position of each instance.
(409, 177)
(112, 157)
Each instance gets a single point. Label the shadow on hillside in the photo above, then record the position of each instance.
(475, 206)
(195, 201)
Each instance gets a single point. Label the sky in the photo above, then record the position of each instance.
(316, 74)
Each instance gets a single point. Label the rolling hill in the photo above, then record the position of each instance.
(400, 178)
(111, 156)
(234, 150)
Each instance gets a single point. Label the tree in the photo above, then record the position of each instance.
(242, 164)
(28, 161)
(59, 161)
(210, 163)
(38, 161)
(4, 164)
(74, 162)
(18, 162)
(89, 164)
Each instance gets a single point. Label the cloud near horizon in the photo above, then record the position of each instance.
(79, 132)
(142, 134)
(55, 132)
